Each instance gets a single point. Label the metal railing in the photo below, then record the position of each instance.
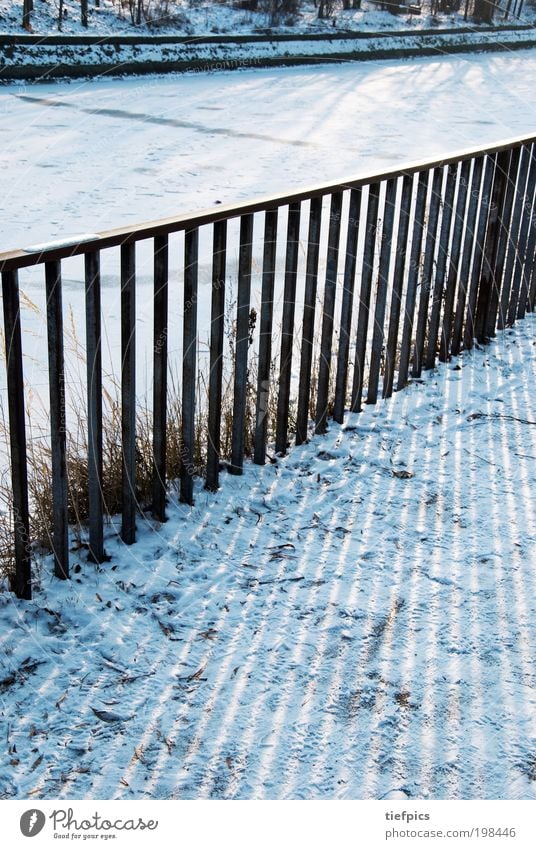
(432, 256)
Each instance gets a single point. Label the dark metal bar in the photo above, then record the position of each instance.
(490, 163)
(94, 405)
(398, 285)
(381, 291)
(265, 338)
(242, 345)
(309, 310)
(532, 287)
(58, 426)
(509, 245)
(217, 328)
(427, 270)
(509, 223)
(347, 305)
(287, 328)
(413, 276)
(21, 258)
(460, 219)
(524, 238)
(330, 289)
(189, 359)
(128, 391)
(441, 266)
(160, 367)
(21, 581)
(468, 246)
(491, 246)
(364, 297)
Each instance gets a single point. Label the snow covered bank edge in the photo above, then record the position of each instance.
(53, 57)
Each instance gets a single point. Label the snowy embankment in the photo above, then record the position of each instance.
(32, 58)
(355, 620)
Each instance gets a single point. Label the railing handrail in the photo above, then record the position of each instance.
(24, 257)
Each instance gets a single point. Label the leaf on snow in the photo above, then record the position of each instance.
(109, 716)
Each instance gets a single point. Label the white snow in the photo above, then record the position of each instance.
(320, 628)
(87, 156)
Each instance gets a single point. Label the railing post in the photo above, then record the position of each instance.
(160, 349)
(398, 285)
(287, 327)
(460, 220)
(58, 427)
(128, 391)
(364, 297)
(309, 311)
(94, 404)
(381, 290)
(509, 217)
(468, 245)
(490, 163)
(22, 580)
(330, 288)
(441, 266)
(191, 240)
(413, 275)
(265, 336)
(242, 344)
(509, 245)
(491, 245)
(524, 254)
(427, 270)
(217, 326)
(347, 305)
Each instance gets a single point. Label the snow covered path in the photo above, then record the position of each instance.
(87, 156)
(355, 621)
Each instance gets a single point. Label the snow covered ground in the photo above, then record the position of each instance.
(86, 156)
(355, 621)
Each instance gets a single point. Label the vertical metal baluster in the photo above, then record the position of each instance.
(364, 297)
(21, 582)
(58, 426)
(441, 266)
(413, 275)
(347, 305)
(478, 256)
(217, 327)
(330, 288)
(242, 345)
(265, 337)
(128, 390)
(309, 309)
(189, 359)
(94, 404)
(509, 246)
(287, 327)
(491, 246)
(468, 245)
(509, 222)
(427, 270)
(524, 238)
(398, 284)
(160, 365)
(381, 291)
(460, 219)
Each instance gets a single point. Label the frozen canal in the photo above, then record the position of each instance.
(85, 156)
